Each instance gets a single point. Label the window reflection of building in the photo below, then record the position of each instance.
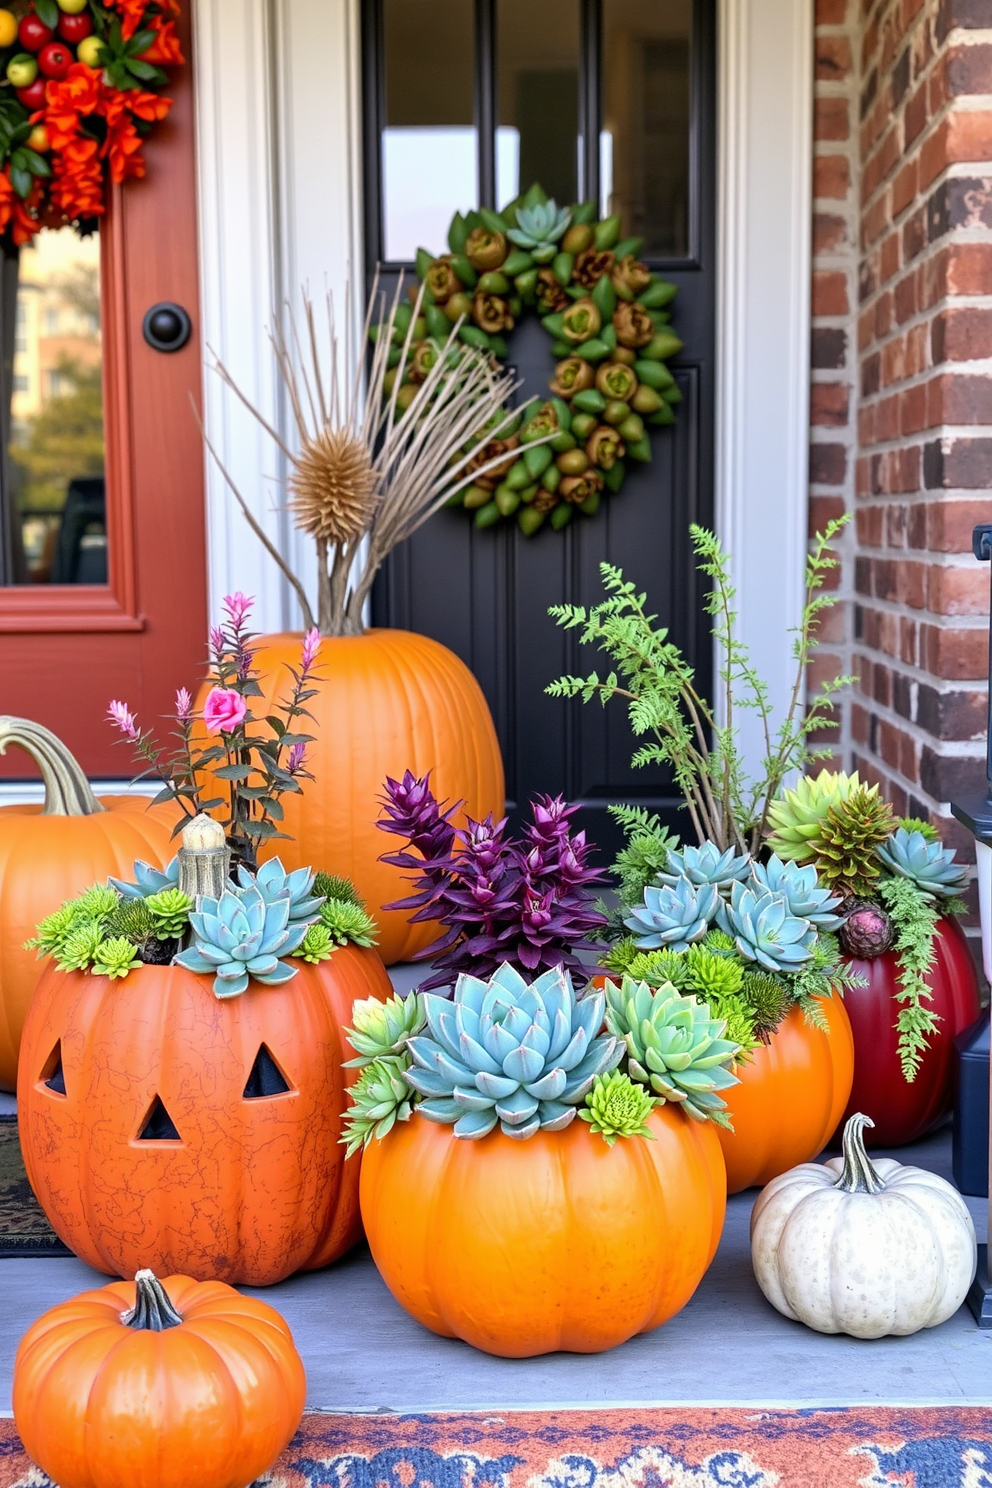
(55, 455)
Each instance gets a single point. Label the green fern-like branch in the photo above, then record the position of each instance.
(915, 921)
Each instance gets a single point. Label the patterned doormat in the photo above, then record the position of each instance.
(24, 1230)
(914, 1447)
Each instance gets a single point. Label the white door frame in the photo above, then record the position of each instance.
(280, 138)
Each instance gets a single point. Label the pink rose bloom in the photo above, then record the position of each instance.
(223, 710)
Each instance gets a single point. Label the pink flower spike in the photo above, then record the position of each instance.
(223, 710)
(311, 645)
(297, 758)
(238, 606)
(217, 640)
(120, 715)
(184, 706)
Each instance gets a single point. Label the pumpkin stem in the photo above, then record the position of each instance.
(152, 1308)
(859, 1176)
(67, 791)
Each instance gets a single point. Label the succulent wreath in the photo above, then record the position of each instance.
(607, 314)
(79, 83)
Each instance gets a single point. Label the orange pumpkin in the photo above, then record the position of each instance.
(51, 853)
(161, 1125)
(158, 1385)
(792, 1092)
(387, 701)
(555, 1242)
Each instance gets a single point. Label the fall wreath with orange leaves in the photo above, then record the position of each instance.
(80, 89)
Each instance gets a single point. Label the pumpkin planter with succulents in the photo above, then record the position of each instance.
(181, 1090)
(607, 315)
(184, 1107)
(382, 700)
(493, 1214)
(918, 987)
(51, 851)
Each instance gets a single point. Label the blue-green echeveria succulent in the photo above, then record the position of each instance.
(148, 880)
(673, 916)
(765, 931)
(239, 936)
(798, 886)
(926, 864)
(539, 227)
(705, 864)
(273, 882)
(504, 1051)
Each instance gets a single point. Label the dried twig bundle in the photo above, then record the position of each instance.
(365, 467)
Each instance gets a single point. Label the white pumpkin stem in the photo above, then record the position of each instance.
(152, 1309)
(67, 791)
(859, 1176)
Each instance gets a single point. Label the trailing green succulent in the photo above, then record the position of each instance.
(924, 862)
(674, 1046)
(618, 1107)
(114, 928)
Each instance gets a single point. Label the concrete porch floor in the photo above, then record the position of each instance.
(727, 1346)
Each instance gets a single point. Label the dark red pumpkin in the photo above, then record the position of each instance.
(901, 1110)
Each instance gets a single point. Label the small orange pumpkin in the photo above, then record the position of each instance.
(386, 701)
(556, 1242)
(51, 853)
(792, 1091)
(159, 1123)
(159, 1385)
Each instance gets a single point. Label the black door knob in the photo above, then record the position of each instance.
(166, 327)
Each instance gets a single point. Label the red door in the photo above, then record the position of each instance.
(69, 642)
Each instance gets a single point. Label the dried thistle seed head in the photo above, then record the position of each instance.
(332, 487)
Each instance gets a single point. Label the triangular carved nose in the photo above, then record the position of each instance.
(266, 1077)
(158, 1125)
(53, 1075)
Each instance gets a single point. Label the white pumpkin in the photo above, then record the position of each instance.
(869, 1249)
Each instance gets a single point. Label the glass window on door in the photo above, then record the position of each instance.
(470, 101)
(52, 492)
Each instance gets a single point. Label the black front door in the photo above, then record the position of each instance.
(466, 104)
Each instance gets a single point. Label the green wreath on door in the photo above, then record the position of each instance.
(608, 316)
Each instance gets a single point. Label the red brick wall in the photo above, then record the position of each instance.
(923, 471)
(833, 349)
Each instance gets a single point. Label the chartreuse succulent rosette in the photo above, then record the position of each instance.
(526, 1057)
(895, 877)
(607, 314)
(252, 932)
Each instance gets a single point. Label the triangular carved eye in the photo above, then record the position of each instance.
(158, 1125)
(53, 1075)
(266, 1077)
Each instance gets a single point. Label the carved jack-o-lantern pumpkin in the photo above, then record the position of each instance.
(164, 1127)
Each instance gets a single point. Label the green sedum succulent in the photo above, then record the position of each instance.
(345, 920)
(317, 945)
(503, 1051)
(115, 958)
(617, 1107)
(711, 974)
(925, 863)
(674, 1046)
(169, 911)
(383, 1028)
(80, 946)
(380, 1098)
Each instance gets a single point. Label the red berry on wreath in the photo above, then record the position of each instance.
(73, 28)
(55, 59)
(33, 97)
(32, 33)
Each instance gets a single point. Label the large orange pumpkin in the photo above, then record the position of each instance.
(194, 1134)
(387, 701)
(792, 1091)
(52, 852)
(158, 1385)
(555, 1242)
